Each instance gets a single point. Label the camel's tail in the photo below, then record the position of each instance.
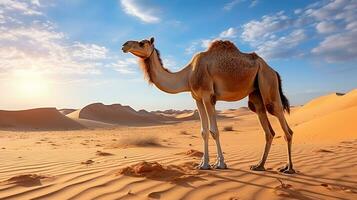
(284, 100)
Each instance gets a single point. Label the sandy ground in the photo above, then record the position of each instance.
(158, 162)
(75, 165)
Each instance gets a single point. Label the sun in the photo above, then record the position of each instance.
(31, 84)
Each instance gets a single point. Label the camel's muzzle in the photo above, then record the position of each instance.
(124, 50)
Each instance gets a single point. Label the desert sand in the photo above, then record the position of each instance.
(120, 153)
(36, 119)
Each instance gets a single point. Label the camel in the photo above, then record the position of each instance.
(221, 73)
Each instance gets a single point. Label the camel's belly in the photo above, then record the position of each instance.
(231, 96)
(234, 90)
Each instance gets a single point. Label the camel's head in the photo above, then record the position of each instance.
(142, 49)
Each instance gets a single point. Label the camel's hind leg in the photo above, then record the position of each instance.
(268, 83)
(256, 105)
(288, 169)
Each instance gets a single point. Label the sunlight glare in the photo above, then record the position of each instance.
(31, 84)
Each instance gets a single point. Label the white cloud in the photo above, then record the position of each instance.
(329, 10)
(2, 18)
(337, 20)
(229, 33)
(192, 47)
(206, 42)
(352, 26)
(34, 33)
(35, 2)
(257, 31)
(23, 6)
(125, 66)
(89, 51)
(198, 45)
(338, 47)
(282, 47)
(298, 11)
(144, 13)
(254, 3)
(169, 62)
(274, 36)
(231, 4)
(333, 22)
(37, 46)
(326, 27)
(333, 15)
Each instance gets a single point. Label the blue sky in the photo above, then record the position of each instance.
(66, 53)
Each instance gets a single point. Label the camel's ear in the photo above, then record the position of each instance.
(152, 40)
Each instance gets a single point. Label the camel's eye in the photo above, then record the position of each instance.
(141, 44)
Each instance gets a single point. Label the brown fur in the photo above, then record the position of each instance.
(271, 130)
(213, 99)
(198, 79)
(270, 108)
(145, 66)
(251, 106)
(220, 45)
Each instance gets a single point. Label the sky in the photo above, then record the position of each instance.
(66, 53)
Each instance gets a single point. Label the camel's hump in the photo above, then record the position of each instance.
(223, 45)
(253, 55)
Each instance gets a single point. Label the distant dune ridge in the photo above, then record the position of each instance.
(125, 115)
(235, 112)
(330, 114)
(36, 119)
(118, 114)
(66, 111)
(172, 112)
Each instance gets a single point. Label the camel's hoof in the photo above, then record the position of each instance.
(257, 168)
(287, 170)
(219, 165)
(203, 166)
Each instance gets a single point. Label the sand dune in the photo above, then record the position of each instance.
(116, 114)
(125, 115)
(192, 115)
(94, 124)
(333, 127)
(236, 113)
(325, 105)
(172, 112)
(66, 111)
(155, 116)
(330, 118)
(36, 119)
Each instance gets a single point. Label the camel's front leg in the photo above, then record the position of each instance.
(204, 132)
(211, 113)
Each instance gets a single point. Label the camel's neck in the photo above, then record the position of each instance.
(167, 81)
